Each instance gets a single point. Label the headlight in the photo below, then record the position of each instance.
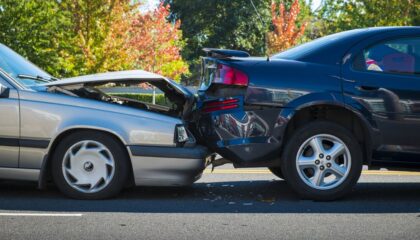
(181, 134)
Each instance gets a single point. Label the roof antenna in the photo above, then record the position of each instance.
(263, 23)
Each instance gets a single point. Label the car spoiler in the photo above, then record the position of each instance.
(225, 53)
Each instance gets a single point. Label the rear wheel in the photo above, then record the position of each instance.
(322, 161)
(90, 165)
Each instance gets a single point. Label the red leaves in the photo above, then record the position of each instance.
(113, 35)
(157, 43)
(286, 32)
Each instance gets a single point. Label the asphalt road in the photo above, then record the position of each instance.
(227, 204)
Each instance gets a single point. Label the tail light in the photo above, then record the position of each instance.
(230, 76)
(220, 105)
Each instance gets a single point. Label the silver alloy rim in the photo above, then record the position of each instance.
(88, 166)
(323, 162)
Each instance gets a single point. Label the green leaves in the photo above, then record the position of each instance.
(340, 15)
(218, 23)
(33, 29)
(73, 37)
(76, 37)
(231, 24)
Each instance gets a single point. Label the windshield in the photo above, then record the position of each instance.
(303, 50)
(19, 68)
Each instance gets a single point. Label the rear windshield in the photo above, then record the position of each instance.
(306, 49)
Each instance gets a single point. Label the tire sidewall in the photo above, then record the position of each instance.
(290, 170)
(120, 161)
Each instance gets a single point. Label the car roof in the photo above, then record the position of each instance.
(334, 51)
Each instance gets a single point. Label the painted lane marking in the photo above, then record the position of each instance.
(257, 171)
(40, 214)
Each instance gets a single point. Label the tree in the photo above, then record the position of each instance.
(69, 37)
(218, 23)
(285, 33)
(157, 43)
(75, 37)
(38, 30)
(232, 24)
(100, 31)
(341, 15)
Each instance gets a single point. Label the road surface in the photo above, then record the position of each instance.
(226, 204)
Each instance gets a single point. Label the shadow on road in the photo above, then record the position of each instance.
(220, 197)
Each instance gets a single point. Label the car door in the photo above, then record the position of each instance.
(384, 77)
(9, 125)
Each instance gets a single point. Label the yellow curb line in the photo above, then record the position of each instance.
(256, 171)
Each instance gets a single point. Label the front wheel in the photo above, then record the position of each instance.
(322, 161)
(90, 165)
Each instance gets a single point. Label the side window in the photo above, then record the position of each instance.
(396, 56)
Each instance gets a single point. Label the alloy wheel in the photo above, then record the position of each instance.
(323, 162)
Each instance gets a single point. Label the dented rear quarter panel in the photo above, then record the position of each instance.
(253, 134)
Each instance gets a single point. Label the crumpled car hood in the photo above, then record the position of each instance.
(174, 91)
(109, 76)
(133, 75)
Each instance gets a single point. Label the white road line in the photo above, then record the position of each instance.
(40, 214)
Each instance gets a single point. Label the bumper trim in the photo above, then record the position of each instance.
(197, 152)
(168, 166)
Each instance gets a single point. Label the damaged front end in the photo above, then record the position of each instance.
(135, 89)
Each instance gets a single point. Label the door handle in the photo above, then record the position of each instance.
(367, 88)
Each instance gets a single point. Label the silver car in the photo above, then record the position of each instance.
(91, 142)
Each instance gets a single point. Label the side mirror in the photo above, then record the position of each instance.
(4, 91)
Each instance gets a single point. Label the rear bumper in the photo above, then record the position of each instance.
(168, 166)
(243, 137)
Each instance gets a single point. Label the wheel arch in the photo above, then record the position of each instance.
(338, 113)
(45, 172)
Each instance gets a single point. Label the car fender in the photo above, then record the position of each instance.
(42, 180)
(317, 99)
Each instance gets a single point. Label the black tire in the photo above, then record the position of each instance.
(276, 171)
(121, 165)
(290, 152)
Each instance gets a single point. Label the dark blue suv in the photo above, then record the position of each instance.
(316, 113)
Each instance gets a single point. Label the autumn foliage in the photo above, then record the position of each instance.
(156, 43)
(286, 33)
(86, 37)
(99, 29)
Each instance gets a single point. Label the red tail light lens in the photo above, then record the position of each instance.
(230, 76)
(221, 105)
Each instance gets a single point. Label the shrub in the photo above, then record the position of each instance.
(145, 97)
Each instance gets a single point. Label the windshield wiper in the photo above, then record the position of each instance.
(38, 78)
